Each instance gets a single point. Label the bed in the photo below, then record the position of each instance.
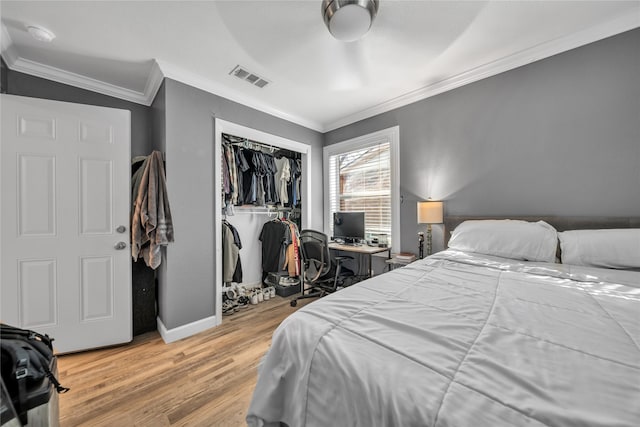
(462, 339)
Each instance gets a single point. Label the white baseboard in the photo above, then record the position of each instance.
(184, 331)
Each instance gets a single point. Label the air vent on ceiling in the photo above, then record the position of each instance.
(241, 73)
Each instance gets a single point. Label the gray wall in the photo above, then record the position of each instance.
(36, 87)
(187, 290)
(556, 137)
(158, 120)
(159, 142)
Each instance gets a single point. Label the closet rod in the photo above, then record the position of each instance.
(247, 143)
(258, 146)
(266, 209)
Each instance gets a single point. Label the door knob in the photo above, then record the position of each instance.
(120, 245)
(121, 229)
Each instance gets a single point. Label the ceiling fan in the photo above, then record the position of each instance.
(349, 20)
(302, 41)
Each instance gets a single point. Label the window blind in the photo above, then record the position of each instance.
(360, 180)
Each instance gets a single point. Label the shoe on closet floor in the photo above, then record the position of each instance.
(242, 291)
(243, 302)
(228, 307)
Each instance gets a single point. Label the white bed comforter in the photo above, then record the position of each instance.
(460, 340)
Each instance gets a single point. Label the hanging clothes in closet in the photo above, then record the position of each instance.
(288, 177)
(283, 178)
(293, 188)
(251, 176)
(280, 247)
(231, 245)
(292, 253)
(229, 179)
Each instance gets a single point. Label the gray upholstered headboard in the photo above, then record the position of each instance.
(560, 223)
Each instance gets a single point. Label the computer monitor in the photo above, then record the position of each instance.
(348, 226)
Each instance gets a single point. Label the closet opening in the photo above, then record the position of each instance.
(266, 186)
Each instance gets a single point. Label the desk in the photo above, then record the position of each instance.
(361, 249)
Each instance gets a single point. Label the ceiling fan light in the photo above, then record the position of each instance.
(349, 20)
(40, 34)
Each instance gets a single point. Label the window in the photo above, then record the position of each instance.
(361, 175)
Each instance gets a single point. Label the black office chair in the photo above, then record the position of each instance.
(321, 273)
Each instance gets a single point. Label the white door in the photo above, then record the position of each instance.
(65, 191)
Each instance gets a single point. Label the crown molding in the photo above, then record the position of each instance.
(524, 57)
(9, 55)
(154, 81)
(23, 65)
(160, 70)
(66, 77)
(179, 74)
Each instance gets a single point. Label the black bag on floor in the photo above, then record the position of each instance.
(26, 360)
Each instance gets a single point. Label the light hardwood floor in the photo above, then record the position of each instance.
(204, 380)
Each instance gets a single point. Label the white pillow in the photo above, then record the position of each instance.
(507, 238)
(614, 248)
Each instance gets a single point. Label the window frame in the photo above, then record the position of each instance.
(390, 135)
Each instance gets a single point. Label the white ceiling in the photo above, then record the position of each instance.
(414, 49)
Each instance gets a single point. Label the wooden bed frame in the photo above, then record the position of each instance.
(560, 223)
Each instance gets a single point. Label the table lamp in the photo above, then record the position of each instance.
(429, 212)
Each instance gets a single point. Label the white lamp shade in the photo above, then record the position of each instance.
(350, 23)
(430, 212)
